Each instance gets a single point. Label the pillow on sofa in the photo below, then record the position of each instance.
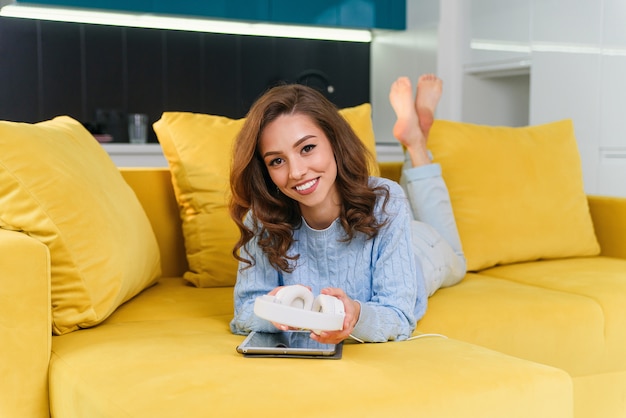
(59, 186)
(517, 193)
(198, 149)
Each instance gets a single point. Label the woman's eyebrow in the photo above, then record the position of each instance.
(301, 140)
(295, 145)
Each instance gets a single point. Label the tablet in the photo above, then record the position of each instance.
(296, 343)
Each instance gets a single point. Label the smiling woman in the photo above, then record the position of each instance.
(310, 214)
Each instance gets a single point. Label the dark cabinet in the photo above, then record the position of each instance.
(97, 74)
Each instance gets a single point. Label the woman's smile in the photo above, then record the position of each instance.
(308, 187)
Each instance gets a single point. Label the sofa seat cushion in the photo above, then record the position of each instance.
(174, 298)
(551, 326)
(599, 280)
(163, 355)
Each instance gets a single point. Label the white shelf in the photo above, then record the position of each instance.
(136, 155)
(506, 68)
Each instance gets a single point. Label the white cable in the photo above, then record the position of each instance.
(415, 337)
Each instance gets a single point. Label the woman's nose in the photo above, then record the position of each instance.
(297, 169)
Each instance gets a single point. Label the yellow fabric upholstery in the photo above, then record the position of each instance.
(605, 291)
(198, 148)
(153, 187)
(60, 187)
(609, 221)
(360, 120)
(391, 170)
(183, 363)
(592, 392)
(24, 325)
(521, 320)
(568, 313)
(168, 351)
(517, 193)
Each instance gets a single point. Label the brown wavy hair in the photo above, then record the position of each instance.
(276, 215)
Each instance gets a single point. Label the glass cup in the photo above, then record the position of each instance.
(137, 128)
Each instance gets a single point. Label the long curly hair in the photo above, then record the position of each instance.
(275, 215)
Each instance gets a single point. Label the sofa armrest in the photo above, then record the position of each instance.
(25, 325)
(609, 221)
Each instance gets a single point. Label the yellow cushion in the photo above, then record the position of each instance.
(198, 148)
(60, 187)
(517, 193)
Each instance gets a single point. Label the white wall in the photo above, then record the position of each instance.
(394, 54)
(511, 61)
(578, 68)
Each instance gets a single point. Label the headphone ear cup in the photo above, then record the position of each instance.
(327, 304)
(295, 296)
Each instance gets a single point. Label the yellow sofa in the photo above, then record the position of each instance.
(169, 352)
(535, 338)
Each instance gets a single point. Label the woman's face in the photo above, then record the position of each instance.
(301, 162)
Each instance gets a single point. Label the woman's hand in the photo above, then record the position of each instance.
(283, 327)
(352, 309)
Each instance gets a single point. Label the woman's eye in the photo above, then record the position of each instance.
(275, 162)
(308, 148)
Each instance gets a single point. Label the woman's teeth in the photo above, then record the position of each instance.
(306, 185)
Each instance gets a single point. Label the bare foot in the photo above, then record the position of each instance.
(407, 129)
(429, 88)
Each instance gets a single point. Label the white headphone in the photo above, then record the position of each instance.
(295, 306)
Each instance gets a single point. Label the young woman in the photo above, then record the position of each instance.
(310, 214)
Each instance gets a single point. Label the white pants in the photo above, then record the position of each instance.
(436, 241)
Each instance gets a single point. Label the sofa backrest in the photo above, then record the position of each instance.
(153, 187)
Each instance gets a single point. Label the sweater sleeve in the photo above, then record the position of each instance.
(252, 281)
(398, 292)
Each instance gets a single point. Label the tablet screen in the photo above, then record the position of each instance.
(287, 342)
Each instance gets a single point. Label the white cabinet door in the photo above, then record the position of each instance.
(499, 31)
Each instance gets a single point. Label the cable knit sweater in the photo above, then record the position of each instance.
(382, 273)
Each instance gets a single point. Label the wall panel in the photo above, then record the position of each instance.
(222, 72)
(19, 62)
(62, 83)
(145, 71)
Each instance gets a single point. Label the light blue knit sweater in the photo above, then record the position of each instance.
(382, 273)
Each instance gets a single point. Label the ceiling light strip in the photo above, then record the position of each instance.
(144, 20)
